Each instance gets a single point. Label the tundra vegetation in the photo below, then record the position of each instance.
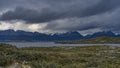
(61, 57)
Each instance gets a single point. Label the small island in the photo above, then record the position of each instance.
(97, 40)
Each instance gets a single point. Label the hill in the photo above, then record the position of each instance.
(98, 40)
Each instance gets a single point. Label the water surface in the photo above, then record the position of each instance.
(50, 44)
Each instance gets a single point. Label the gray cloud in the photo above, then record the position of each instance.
(54, 10)
(64, 15)
(108, 21)
(61, 9)
(29, 15)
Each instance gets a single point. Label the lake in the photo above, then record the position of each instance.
(50, 44)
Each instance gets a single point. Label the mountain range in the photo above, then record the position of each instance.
(20, 35)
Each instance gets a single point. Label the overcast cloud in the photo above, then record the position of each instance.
(50, 16)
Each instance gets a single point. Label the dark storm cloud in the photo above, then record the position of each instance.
(55, 10)
(4, 3)
(67, 10)
(29, 15)
(108, 21)
(65, 15)
(72, 24)
(9, 4)
(102, 7)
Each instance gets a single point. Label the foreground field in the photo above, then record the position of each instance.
(60, 57)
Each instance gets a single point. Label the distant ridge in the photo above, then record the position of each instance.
(20, 35)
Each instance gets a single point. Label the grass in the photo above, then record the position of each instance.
(61, 57)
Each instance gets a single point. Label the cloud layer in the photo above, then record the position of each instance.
(62, 15)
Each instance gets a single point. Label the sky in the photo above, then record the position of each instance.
(51, 16)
